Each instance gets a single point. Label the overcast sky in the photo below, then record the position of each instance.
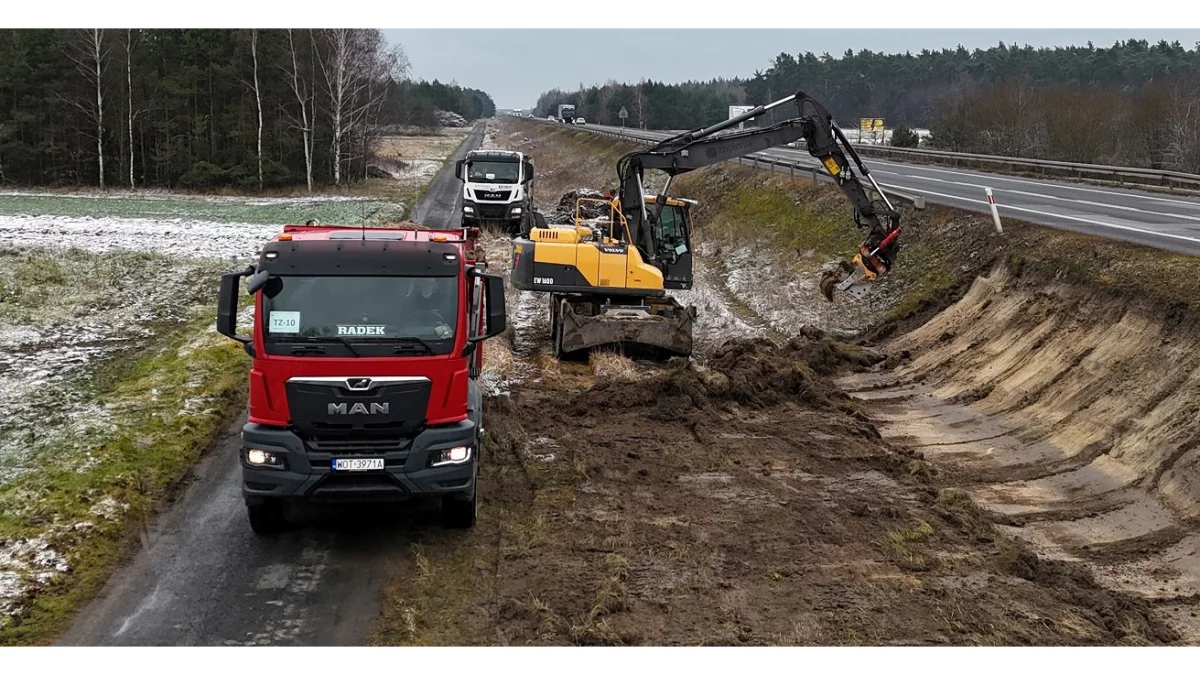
(516, 65)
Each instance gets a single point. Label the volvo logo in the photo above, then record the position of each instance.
(358, 409)
(358, 383)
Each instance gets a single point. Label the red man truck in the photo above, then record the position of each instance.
(365, 352)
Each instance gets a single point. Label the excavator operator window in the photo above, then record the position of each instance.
(672, 229)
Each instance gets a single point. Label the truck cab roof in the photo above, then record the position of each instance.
(502, 155)
(350, 232)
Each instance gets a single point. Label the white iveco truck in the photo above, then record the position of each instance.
(497, 189)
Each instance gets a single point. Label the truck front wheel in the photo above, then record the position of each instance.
(266, 517)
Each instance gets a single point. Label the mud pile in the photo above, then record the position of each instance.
(564, 212)
(749, 373)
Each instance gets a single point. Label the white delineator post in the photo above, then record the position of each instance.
(995, 211)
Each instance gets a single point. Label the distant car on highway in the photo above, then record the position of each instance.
(580, 120)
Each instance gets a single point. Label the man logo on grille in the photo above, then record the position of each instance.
(359, 383)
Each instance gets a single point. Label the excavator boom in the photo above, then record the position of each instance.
(703, 147)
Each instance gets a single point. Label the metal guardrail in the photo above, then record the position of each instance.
(1171, 180)
(756, 160)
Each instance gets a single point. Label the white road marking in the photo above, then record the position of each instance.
(1057, 186)
(1052, 215)
(1046, 196)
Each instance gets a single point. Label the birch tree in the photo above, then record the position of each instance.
(129, 43)
(340, 65)
(257, 102)
(304, 95)
(90, 56)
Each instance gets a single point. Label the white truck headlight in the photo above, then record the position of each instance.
(265, 458)
(456, 455)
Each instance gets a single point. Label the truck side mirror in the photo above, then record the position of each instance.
(227, 306)
(497, 315)
(528, 171)
(458, 168)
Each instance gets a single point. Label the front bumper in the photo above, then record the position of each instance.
(492, 210)
(308, 474)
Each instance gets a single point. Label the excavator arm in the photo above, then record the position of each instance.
(823, 140)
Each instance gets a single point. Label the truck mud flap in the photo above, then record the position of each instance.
(672, 334)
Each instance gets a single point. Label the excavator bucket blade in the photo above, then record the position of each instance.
(850, 277)
(670, 333)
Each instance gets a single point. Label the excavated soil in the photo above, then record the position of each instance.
(1070, 414)
(760, 494)
(747, 501)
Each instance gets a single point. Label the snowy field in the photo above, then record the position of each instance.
(77, 292)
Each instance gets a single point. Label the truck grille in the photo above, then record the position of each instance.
(492, 211)
(493, 195)
(344, 439)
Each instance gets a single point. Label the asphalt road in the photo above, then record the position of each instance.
(1152, 219)
(204, 578)
(442, 204)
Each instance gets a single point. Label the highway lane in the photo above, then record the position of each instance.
(203, 578)
(1160, 220)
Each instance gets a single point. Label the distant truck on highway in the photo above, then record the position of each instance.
(566, 113)
(497, 189)
(365, 349)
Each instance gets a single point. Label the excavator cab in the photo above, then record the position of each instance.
(673, 234)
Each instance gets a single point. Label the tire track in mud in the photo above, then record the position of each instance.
(203, 578)
(1082, 443)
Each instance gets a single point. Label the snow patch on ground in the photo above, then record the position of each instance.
(410, 172)
(24, 562)
(716, 322)
(178, 236)
(789, 300)
(175, 196)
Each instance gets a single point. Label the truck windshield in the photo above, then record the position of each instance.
(493, 172)
(362, 309)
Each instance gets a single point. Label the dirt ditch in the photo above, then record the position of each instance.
(745, 501)
(1070, 414)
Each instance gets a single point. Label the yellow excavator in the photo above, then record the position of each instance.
(608, 276)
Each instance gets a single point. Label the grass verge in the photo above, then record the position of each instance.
(174, 399)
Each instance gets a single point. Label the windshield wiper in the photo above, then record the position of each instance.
(413, 341)
(327, 338)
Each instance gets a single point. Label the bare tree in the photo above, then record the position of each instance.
(1182, 127)
(353, 63)
(343, 85)
(303, 94)
(129, 43)
(90, 55)
(639, 106)
(386, 68)
(258, 102)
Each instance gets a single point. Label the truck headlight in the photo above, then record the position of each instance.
(265, 458)
(457, 455)
(468, 209)
(516, 210)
